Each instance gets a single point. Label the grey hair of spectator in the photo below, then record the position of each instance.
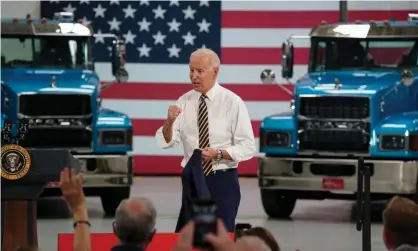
(135, 221)
(251, 243)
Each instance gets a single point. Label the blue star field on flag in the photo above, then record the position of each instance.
(161, 32)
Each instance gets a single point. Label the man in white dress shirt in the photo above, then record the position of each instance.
(216, 120)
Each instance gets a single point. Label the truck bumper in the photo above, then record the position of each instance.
(105, 170)
(388, 177)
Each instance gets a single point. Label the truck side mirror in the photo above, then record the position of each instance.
(269, 77)
(287, 60)
(119, 61)
(407, 77)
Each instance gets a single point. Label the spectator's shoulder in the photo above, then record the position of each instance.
(407, 248)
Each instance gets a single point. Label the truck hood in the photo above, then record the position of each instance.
(351, 82)
(39, 80)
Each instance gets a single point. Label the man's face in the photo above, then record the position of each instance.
(202, 73)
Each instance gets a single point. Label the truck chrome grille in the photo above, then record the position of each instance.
(335, 107)
(61, 121)
(63, 138)
(334, 124)
(55, 105)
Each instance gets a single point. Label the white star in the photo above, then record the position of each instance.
(159, 12)
(173, 51)
(203, 46)
(129, 12)
(174, 2)
(144, 50)
(144, 25)
(189, 13)
(54, 1)
(110, 49)
(99, 11)
(98, 38)
(159, 38)
(70, 8)
(174, 25)
(204, 26)
(144, 2)
(204, 3)
(84, 1)
(86, 21)
(189, 38)
(114, 2)
(129, 37)
(114, 24)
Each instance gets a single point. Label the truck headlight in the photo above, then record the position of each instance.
(275, 139)
(392, 142)
(115, 137)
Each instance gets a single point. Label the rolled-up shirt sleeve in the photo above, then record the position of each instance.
(243, 147)
(175, 139)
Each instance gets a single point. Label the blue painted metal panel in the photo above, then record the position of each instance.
(283, 122)
(399, 107)
(18, 81)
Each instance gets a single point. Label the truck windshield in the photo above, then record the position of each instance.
(44, 52)
(336, 54)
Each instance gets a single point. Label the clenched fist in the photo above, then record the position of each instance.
(173, 112)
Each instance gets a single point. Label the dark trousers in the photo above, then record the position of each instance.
(225, 191)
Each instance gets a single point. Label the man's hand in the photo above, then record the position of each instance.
(72, 189)
(185, 241)
(222, 241)
(173, 112)
(209, 153)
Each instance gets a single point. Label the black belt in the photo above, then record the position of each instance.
(223, 171)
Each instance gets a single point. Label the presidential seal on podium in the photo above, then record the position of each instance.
(15, 162)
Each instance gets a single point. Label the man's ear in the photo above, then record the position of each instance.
(216, 72)
(152, 235)
(387, 238)
(114, 227)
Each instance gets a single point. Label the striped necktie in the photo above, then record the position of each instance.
(203, 123)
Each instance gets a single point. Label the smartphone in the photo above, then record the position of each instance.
(205, 220)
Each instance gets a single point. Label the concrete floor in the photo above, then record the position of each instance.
(315, 225)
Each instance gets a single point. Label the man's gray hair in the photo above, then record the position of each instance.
(214, 58)
(135, 226)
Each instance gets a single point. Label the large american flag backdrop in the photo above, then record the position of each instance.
(160, 35)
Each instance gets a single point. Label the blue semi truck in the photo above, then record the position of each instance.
(358, 99)
(48, 78)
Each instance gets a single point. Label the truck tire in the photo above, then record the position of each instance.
(111, 198)
(276, 204)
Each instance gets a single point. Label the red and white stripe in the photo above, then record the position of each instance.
(252, 34)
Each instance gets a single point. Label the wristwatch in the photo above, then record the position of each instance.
(219, 155)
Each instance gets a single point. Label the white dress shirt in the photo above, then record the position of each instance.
(229, 127)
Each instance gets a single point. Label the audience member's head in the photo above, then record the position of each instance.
(265, 235)
(251, 243)
(400, 221)
(135, 221)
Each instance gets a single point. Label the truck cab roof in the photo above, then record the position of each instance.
(367, 29)
(62, 24)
